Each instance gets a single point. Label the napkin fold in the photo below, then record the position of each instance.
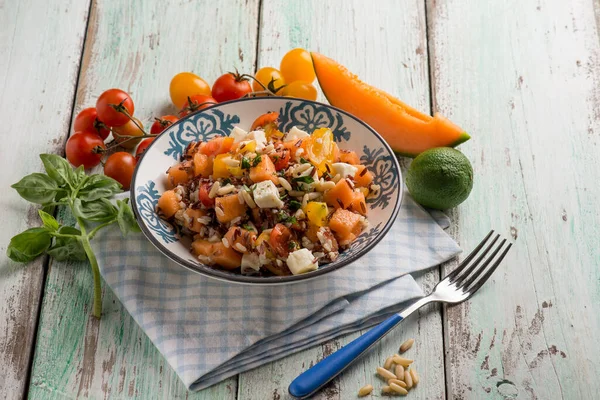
(209, 330)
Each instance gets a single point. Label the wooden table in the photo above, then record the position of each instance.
(523, 77)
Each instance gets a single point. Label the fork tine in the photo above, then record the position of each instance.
(489, 273)
(477, 272)
(471, 255)
(461, 277)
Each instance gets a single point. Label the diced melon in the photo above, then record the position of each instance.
(265, 170)
(311, 232)
(226, 257)
(178, 174)
(218, 145)
(349, 157)
(194, 214)
(341, 195)
(202, 247)
(346, 225)
(229, 207)
(361, 178)
(203, 165)
(358, 203)
(238, 236)
(168, 204)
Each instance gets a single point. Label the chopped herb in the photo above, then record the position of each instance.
(327, 175)
(256, 161)
(275, 159)
(304, 179)
(248, 227)
(245, 163)
(283, 196)
(246, 188)
(295, 205)
(292, 245)
(226, 181)
(304, 160)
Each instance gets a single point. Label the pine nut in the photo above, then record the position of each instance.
(286, 185)
(399, 371)
(386, 389)
(406, 345)
(388, 362)
(405, 362)
(248, 199)
(384, 373)
(398, 389)
(397, 382)
(365, 390)
(414, 376)
(408, 379)
(213, 190)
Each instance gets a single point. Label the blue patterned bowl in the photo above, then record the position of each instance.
(149, 178)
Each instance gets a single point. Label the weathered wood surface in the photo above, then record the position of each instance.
(40, 43)
(386, 46)
(137, 47)
(524, 78)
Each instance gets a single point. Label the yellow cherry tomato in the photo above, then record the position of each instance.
(122, 133)
(300, 90)
(320, 149)
(316, 213)
(264, 76)
(186, 84)
(297, 65)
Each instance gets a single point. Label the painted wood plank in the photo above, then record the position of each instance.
(386, 46)
(526, 84)
(36, 96)
(137, 46)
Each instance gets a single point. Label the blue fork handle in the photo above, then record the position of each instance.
(314, 378)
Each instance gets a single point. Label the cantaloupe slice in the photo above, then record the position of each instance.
(407, 131)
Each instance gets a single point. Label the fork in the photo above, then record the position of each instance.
(455, 288)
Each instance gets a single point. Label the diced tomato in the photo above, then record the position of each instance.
(263, 120)
(203, 196)
(281, 159)
(216, 146)
(279, 239)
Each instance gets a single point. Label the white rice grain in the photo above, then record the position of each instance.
(286, 185)
(214, 189)
(226, 189)
(225, 242)
(240, 247)
(248, 199)
(230, 162)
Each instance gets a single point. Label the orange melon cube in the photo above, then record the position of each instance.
(341, 195)
(349, 157)
(222, 256)
(228, 208)
(168, 204)
(203, 165)
(194, 214)
(346, 225)
(265, 170)
(363, 176)
(358, 203)
(178, 174)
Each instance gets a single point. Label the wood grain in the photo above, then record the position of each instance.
(386, 46)
(37, 93)
(526, 84)
(137, 46)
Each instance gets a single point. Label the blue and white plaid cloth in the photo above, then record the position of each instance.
(209, 330)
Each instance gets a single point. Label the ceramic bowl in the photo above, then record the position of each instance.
(149, 179)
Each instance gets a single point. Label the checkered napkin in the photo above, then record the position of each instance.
(209, 330)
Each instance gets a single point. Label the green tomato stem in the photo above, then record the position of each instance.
(96, 229)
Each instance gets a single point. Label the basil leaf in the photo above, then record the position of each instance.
(100, 210)
(304, 179)
(48, 221)
(67, 248)
(37, 188)
(79, 176)
(256, 160)
(245, 163)
(58, 169)
(27, 245)
(125, 218)
(99, 186)
(295, 205)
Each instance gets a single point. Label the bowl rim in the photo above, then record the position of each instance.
(218, 274)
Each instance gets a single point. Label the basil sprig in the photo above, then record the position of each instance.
(87, 198)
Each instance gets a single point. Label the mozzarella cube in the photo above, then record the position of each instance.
(238, 134)
(250, 263)
(260, 139)
(344, 169)
(266, 195)
(295, 134)
(301, 261)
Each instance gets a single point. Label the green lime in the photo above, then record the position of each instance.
(440, 178)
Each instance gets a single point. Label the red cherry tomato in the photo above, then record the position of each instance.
(120, 166)
(199, 102)
(141, 149)
(281, 159)
(204, 197)
(87, 120)
(162, 123)
(106, 103)
(82, 149)
(230, 86)
(279, 239)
